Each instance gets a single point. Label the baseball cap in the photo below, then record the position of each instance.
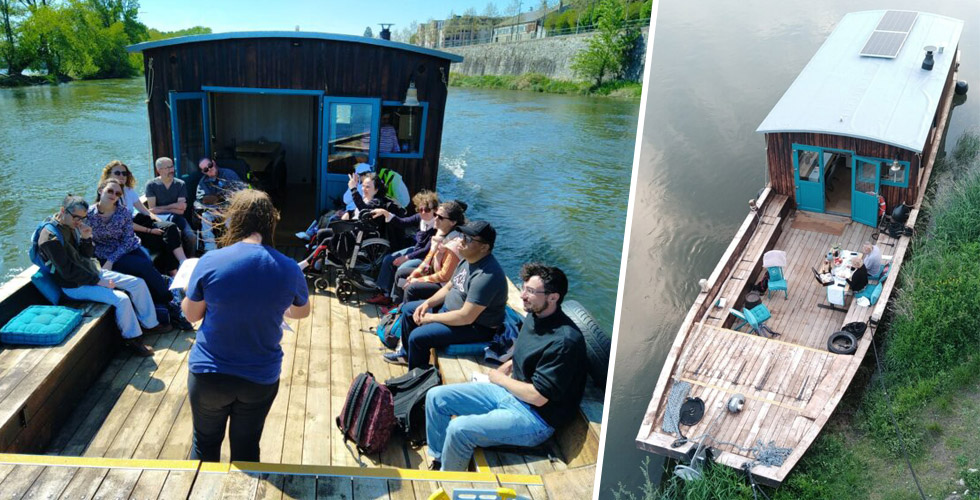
(480, 229)
(363, 168)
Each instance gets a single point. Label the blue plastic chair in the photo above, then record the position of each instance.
(873, 292)
(756, 318)
(777, 281)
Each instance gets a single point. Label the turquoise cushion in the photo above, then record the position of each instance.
(876, 293)
(465, 349)
(41, 325)
(46, 285)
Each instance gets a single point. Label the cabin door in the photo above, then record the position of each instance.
(808, 166)
(190, 125)
(865, 186)
(347, 138)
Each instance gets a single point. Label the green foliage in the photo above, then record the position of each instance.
(610, 48)
(829, 470)
(78, 38)
(718, 483)
(971, 477)
(162, 35)
(536, 82)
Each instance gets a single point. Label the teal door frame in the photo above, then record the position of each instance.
(175, 97)
(864, 202)
(809, 192)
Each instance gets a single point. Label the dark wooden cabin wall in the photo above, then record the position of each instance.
(779, 155)
(246, 118)
(342, 68)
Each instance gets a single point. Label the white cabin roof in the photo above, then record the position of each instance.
(892, 101)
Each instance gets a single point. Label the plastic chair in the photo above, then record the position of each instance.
(756, 319)
(774, 261)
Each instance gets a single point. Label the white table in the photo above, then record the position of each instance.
(835, 292)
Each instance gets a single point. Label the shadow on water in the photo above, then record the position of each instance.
(717, 70)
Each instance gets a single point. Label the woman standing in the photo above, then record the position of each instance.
(241, 291)
(155, 234)
(65, 243)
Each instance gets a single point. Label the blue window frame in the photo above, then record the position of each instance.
(409, 124)
(898, 178)
(190, 128)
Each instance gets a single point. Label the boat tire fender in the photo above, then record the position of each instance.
(842, 343)
(597, 343)
(961, 87)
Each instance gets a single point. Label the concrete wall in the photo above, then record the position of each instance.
(549, 56)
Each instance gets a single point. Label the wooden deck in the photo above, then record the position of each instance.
(138, 409)
(791, 383)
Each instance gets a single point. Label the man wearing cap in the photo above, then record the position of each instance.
(214, 188)
(468, 309)
(526, 398)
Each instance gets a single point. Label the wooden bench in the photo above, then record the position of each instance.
(40, 386)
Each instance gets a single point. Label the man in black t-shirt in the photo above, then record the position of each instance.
(526, 398)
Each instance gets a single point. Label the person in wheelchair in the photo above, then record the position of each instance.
(372, 199)
(214, 189)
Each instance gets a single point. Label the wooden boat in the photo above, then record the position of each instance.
(851, 132)
(83, 420)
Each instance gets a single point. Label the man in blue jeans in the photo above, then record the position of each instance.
(528, 397)
(470, 306)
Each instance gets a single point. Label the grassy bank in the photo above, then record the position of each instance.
(536, 82)
(930, 350)
(7, 82)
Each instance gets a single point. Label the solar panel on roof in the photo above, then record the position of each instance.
(897, 20)
(885, 44)
(887, 39)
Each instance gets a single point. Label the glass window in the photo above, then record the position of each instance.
(401, 129)
(809, 165)
(190, 133)
(895, 173)
(349, 135)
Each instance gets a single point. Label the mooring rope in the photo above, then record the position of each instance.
(672, 414)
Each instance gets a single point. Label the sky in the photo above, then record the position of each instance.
(331, 16)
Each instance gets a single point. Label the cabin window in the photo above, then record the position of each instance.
(350, 132)
(899, 177)
(809, 165)
(402, 130)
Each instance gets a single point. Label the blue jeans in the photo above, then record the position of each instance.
(386, 274)
(417, 340)
(486, 415)
(130, 298)
(137, 263)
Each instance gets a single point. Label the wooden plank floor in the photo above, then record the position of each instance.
(138, 409)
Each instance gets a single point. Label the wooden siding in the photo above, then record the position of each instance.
(779, 153)
(340, 68)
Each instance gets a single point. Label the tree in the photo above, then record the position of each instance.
(10, 54)
(491, 10)
(610, 48)
(368, 33)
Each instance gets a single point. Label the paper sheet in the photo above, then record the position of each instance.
(183, 276)
(480, 377)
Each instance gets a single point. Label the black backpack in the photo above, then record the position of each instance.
(409, 392)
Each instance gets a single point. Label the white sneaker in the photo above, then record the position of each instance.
(303, 236)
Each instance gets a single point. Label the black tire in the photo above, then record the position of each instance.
(857, 328)
(842, 343)
(321, 283)
(597, 343)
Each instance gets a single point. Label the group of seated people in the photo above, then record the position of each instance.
(452, 290)
(862, 268)
(102, 251)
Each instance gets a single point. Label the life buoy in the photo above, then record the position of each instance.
(881, 206)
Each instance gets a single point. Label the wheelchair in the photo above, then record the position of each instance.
(349, 259)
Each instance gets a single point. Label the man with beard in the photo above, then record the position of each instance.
(528, 397)
(469, 308)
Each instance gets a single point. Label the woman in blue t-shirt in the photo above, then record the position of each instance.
(242, 291)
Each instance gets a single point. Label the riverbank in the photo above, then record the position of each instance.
(9, 82)
(536, 82)
(930, 353)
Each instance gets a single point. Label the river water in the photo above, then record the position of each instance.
(718, 68)
(550, 172)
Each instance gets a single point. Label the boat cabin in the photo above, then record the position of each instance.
(295, 110)
(858, 124)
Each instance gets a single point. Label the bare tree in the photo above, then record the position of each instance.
(491, 10)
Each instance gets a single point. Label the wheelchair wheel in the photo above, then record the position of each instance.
(373, 251)
(321, 283)
(345, 291)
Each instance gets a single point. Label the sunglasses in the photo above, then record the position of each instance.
(113, 192)
(423, 210)
(207, 168)
(441, 217)
(120, 173)
(469, 239)
(78, 217)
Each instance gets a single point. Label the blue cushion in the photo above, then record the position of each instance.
(41, 325)
(876, 293)
(46, 285)
(465, 349)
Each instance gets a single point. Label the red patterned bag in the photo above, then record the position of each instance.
(368, 417)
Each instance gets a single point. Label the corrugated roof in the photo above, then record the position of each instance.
(891, 101)
(139, 47)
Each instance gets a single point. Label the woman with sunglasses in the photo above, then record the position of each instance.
(67, 245)
(441, 260)
(118, 248)
(155, 234)
(241, 291)
(409, 258)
